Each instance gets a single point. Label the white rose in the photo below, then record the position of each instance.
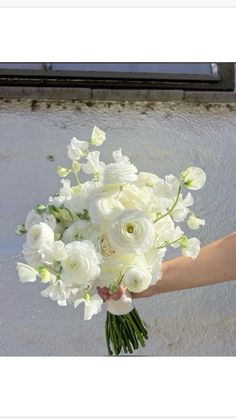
(104, 247)
(26, 272)
(121, 172)
(39, 234)
(131, 231)
(191, 248)
(76, 149)
(79, 201)
(137, 279)
(94, 165)
(78, 231)
(98, 137)
(82, 263)
(194, 178)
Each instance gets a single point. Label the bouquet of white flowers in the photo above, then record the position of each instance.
(113, 229)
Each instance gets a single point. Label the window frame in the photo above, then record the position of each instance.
(222, 81)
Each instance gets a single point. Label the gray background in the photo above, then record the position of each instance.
(159, 137)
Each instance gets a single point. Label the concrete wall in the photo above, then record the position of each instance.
(159, 137)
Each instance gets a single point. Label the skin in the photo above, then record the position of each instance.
(215, 263)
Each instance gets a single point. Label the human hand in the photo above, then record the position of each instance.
(105, 294)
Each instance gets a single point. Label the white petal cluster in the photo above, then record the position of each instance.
(114, 228)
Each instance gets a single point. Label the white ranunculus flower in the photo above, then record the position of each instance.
(194, 223)
(39, 234)
(78, 231)
(33, 218)
(80, 200)
(92, 305)
(58, 250)
(131, 231)
(192, 248)
(57, 291)
(98, 136)
(82, 264)
(104, 207)
(94, 165)
(121, 172)
(194, 178)
(147, 179)
(76, 149)
(26, 272)
(139, 198)
(137, 279)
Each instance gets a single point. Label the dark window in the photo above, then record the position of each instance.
(193, 76)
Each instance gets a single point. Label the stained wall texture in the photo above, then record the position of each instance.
(159, 137)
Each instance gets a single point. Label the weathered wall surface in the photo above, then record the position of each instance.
(159, 137)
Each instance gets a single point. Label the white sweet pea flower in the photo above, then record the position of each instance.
(94, 165)
(137, 279)
(57, 291)
(92, 305)
(193, 178)
(26, 272)
(98, 137)
(131, 232)
(39, 234)
(181, 210)
(82, 264)
(77, 149)
(121, 172)
(32, 257)
(191, 248)
(194, 223)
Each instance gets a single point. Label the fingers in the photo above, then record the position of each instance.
(118, 294)
(104, 293)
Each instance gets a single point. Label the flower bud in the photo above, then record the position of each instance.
(44, 274)
(63, 171)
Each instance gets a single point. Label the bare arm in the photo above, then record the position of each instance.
(216, 262)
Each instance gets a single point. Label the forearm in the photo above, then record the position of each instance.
(215, 263)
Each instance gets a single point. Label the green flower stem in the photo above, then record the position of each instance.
(144, 331)
(108, 338)
(169, 243)
(77, 178)
(171, 208)
(139, 335)
(132, 334)
(124, 332)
